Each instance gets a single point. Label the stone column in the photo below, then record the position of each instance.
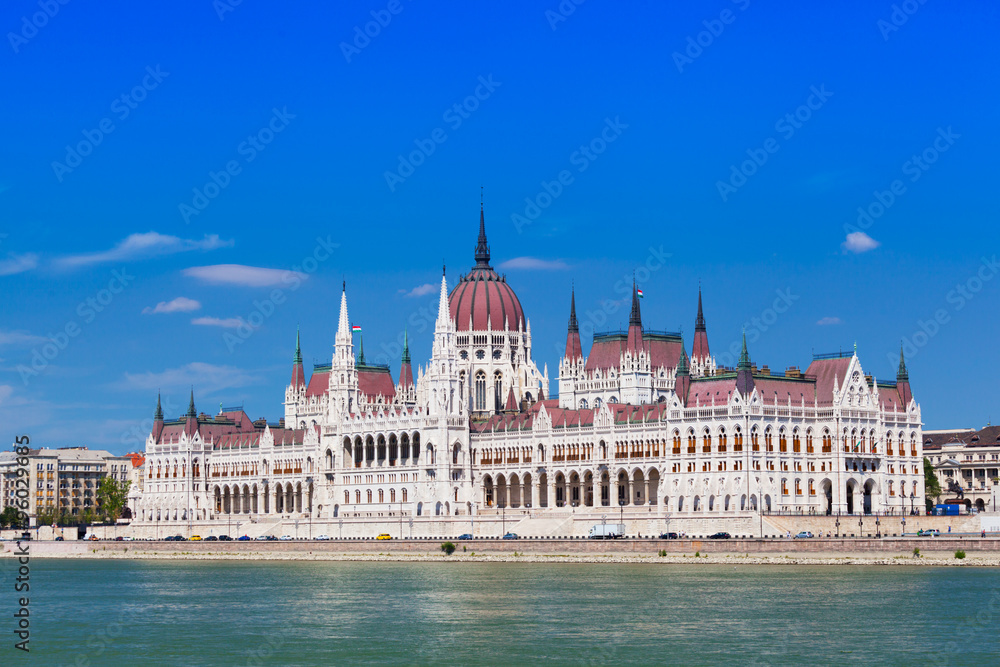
(534, 494)
(596, 483)
(631, 491)
(550, 490)
(645, 496)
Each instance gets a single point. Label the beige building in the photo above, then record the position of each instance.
(65, 480)
(971, 460)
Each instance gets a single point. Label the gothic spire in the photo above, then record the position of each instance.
(574, 326)
(298, 348)
(744, 361)
(635, 318)
(744, 372)
(406, 348)
(191, 412)
(902, 374)
(361, 349)
(482, 247)
(159, 411)
(699, 322)
(682, 363)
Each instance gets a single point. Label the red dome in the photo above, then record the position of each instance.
(484, 296)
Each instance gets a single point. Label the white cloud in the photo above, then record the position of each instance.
(534, 263)
(20, 338)
(858, 242)
(419, 290)
(246, 276)
(137, 246)
(827, 321)
(5, 392)
(205, 378)
(229, 322)
(17, 263)
(181, 304)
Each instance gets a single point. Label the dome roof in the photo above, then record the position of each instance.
(484, 296)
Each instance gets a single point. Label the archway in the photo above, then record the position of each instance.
(850, 498)
(869, 490)
(827, 487)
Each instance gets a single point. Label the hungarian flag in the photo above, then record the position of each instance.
(356, 327)
(639, 292)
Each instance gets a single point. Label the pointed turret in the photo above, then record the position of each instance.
(744, 371)
(682, 376)
(635, 323)
(482, 247)
(903, 381)
(444, 313)
(298, 372)
(511, 406)
(157, 419)
(574, 350)
(191, 421)
(699, 349)
(361, 349)
(405, 369)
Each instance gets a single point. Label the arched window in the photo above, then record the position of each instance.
(369, 495)
(480, 390)
(498, 390)
(357, 497)
(381, 496)
(392, 495)
(347, 497)
(404, 495)
(583, 404)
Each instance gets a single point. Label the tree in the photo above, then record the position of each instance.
(932, 488)
(112, 497)
(9, 517)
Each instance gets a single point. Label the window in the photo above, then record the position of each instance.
(480, 390)
(480, 354)
(497, 354)
(463, 354)
(369, 495)
(498, 390)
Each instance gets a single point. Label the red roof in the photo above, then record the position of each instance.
(319, 383)
(376, 381)
(606, 351)
(825, 370)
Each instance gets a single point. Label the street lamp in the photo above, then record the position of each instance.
(903, 520)
(878, 530)
(837, 525)
(861, 525)
(912, 497)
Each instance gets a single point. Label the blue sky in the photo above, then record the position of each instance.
(203, 156)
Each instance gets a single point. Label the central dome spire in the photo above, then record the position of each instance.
(482, 247)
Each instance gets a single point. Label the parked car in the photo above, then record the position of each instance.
(720, 536)
(285, 538)
(128, 538)
(119, 539)
(510, 536)
(322, 537)
(211, 538)
(384, 536)
(465, 536)
(59, 538)
(270, 538)
(260, 538)
(929, 532)
(669, 536)
(805, 534)
(225, 538)
(91, 537)
(196, 538)
(180, 538)
(243, 538)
